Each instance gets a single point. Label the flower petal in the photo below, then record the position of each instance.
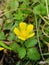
(1, 48)
(21, 38)
(22, 26)
(30, 28)
(30, 35)
(16, 31)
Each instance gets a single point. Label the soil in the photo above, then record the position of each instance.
(9, 58)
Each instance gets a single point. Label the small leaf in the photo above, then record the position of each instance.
(43, 2)
(35, 1)
(13, 4)
(2, 37)
(8, 15)
(40, 9)
(4, 45)
(23, 6)
(47, 60)
(8, 25)
(15, 47)
(33, 54)
(22, 52)
(46, 39)
(31, 42)
(19, 16)
(11, 37)
(18, 63)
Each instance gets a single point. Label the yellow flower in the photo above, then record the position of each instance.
(1, 48)
(24, 31)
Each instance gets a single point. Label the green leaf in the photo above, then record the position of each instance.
(18, 63)
(11, 37)
(30, 42)
(13, 4)
(35, 1)
(40, 9)
(8, 25)
(22, 52)
(23, 6)
(33, 54)
(4, 45)
(44, 1)
(46, 39)
(8, 14)
(47, 60)
(19, 16)
(15, 47)
(2, 37)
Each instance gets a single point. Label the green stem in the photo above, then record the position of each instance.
(46, 1)
(45, 54)
(43, 19)
(37, 29)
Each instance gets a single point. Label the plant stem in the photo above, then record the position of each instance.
(46, 1)
(37, 29)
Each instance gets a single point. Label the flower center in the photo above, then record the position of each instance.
(24, 34)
